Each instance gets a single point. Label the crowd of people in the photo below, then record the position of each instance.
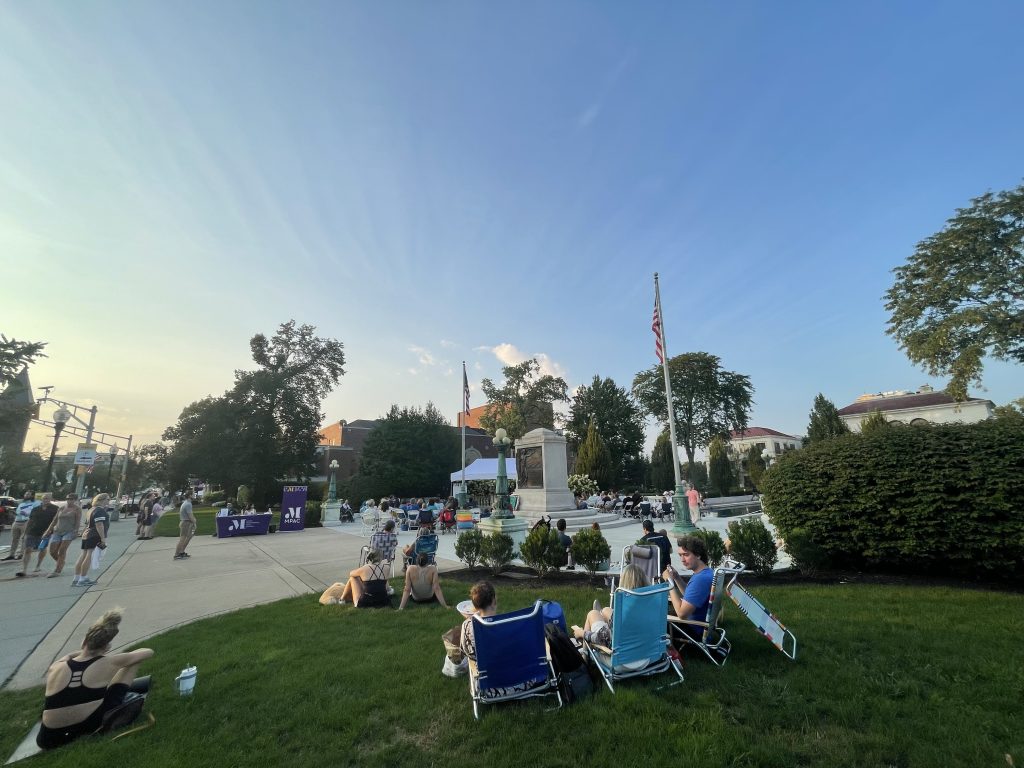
(616, 501)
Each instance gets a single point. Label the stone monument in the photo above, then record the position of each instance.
(543, 479)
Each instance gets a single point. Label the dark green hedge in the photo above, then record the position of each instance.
(941, 499)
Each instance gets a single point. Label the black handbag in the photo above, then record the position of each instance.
(124, 714)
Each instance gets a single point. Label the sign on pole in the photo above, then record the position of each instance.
(85, 456)
(293, 508)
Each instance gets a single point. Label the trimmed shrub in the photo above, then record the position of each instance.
(808, 556)
(590, 549)
(752, 544)
(496, 551)
(714, 544)
(467, 547)
(211, 498)
(311, 514)
(582, 485)
(949, 498)
(541, 550)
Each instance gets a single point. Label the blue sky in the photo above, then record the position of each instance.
(433, 182)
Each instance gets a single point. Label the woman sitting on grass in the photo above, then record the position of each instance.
(367, 585)
(422, 583)
(81, 687)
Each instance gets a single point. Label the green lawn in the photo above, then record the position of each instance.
(206, 524)
(886, 676)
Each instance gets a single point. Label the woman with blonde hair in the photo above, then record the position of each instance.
(367, 585)
(597, 628)
(94, 536)
(82, 687)
(62, 530)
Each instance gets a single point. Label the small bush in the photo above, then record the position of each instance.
(715, 545)
(590, 549)
(753, 545)
(582, 485)
(496, 551)
(213, 497)
(243, 496)
(808, 556)
(541, 550)
(468, 546)
(311, 515)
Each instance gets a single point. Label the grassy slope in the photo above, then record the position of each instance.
(885, 676)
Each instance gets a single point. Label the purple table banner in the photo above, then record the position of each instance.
(293, 508)
(243, 525)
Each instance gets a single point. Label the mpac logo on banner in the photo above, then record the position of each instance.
(293, 508)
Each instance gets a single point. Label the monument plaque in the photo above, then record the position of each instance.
(530, 467)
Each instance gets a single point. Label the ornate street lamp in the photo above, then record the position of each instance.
(110, 467)
(767, 458)
(60, 420)
(502, 509)
(332, 489)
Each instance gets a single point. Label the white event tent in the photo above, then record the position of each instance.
(485, 469)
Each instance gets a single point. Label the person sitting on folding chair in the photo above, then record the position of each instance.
(425, 519)
(422, 583)
(598, 626)
(690, 600)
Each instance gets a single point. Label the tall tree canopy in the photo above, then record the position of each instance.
(719, 466)
(263, 429)
(660, 473)
(411, 452)
(593, 458)
(524, 401)
(960, 296)
(825, 421)
(15, 355)
(618, 420)
(708, 400)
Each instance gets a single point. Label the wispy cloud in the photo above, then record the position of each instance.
(423, 355)
(509, 354)
(445, 344)
(590, 114)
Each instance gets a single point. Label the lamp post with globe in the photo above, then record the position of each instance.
(502, 509)
(110, 466)
(60, 420)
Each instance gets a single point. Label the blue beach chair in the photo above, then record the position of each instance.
(640, 642)
(707, 635)
(511, 659)
(425, 543)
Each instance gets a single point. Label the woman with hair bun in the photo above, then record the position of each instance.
(81, 687)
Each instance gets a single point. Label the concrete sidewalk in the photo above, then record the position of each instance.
(46, 618)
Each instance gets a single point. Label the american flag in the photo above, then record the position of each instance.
(659, 348)
(465, 391)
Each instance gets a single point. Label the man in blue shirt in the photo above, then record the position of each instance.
(690, 600)
(21, 516)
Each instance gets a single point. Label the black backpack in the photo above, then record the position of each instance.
(573, 675)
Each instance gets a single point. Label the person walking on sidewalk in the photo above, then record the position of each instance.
(62, 530)
(187, 526)
(21, 516)
(38, 524)
(95, 536)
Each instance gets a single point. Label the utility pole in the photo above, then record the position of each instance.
(80, 485)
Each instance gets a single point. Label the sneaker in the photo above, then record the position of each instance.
(178, 557)
(185, 554)
(86, 583)
(20, 574)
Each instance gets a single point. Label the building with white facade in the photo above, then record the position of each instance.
(925, 406)
(764, 439)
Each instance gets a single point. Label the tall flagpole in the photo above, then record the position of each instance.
(464, 410)
(683, 524)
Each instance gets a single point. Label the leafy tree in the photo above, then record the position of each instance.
(16, 355)
(594, 460)
(960, 296)
(825, 421)
(265, 427)
(1013, 410)
(720, 468)
(525, 401)
(874, 422)
(619, 422)
(661, 473)
(755, 465)
(708, 400)
(697, 474)
(411, 453)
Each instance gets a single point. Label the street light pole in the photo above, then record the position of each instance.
(124, 468)
(60, 419)
(110, 466)
(80, 485)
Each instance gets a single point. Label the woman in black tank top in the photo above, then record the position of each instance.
(81, 687)
(367, 586)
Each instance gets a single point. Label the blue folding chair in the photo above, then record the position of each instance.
(640, 642)
(511, 659)
(423, 544)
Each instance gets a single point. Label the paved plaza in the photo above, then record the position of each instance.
(46, 618)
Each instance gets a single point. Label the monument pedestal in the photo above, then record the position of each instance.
(510, 526)
(330, 513)
(684, 525)
(542, 485)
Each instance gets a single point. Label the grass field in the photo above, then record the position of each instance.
(886, 676)
(206, 524)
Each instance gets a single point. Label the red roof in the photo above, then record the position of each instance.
(899, 402)
(758, 432)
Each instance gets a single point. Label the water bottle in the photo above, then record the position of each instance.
(186, 681)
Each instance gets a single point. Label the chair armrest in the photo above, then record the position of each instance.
(676, 620)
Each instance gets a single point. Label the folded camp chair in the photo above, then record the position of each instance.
(370, 522)
(707, 635)
(425, 543)
(640, 642)
(385, 543)
(511, 658)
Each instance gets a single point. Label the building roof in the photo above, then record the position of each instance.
(362, 424)
(737, 434)
(900, 402)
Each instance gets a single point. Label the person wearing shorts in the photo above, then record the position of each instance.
(186, 528)
(95, 536)
(38, 524)
(62, 530)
